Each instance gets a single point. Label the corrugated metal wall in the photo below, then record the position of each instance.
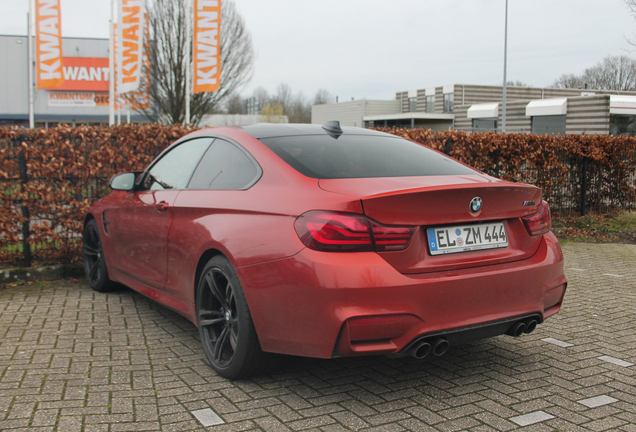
(352, 113)
(588, 115)
(14, 75)
(439, 99)
(475, 94)
(516, 120)
(461, 121)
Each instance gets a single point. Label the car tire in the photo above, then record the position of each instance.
(94, 261)
(225, 324)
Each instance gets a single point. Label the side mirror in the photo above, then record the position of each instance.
(123, 181)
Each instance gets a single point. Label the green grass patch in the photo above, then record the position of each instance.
(612, 227)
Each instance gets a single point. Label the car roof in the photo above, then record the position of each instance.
(271, 130)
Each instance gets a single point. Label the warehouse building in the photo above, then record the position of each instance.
(477, 108)
(82, 99)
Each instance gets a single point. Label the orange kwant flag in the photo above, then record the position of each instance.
(130, 43)
(48, 42)
(206, 45)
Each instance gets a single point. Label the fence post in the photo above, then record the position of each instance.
(447, 146)
(26, 247)
(583, 185)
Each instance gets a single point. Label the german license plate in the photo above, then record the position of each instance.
(464, 238)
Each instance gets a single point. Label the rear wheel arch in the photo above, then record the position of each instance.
(88, 218)
(226, 329)
(203, 260)
(93, 257)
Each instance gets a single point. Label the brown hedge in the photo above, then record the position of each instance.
(552, 162)
(69, 168)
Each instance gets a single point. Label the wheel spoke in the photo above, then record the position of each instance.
(93, 270)
(229, 293)
(94, 237)
(209, 278)
(207, 318)
(234, 336)
(90, 251)
(218, 346)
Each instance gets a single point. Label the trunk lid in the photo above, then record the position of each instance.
(443, 201)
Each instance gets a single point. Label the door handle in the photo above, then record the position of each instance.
(162, 206)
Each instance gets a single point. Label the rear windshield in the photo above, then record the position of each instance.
(359, 156)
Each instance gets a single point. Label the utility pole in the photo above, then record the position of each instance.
(30, 55)
(188, 45)
(111, 66)
(505, 80)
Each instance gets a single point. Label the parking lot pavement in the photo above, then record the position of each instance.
(72, 359)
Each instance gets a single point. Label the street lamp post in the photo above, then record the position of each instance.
(503, 109)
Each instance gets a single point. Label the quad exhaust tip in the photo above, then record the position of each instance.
(438, 345)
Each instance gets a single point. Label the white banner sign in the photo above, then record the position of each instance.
(48, 43)
(206, 45)
(130, 42)
(72, 99)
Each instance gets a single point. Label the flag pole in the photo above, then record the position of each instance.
(505, 78)
(111, 67)
(30, 48)
(187, 62)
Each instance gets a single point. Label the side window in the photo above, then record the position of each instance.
(174, 170)
(224, 167)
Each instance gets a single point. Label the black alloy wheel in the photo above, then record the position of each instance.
(225, 324)
(94, 262)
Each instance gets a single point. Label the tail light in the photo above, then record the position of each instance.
(347, 232)
(540, 222)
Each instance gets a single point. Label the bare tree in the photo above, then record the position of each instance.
(298, 109)
(569, 81)
(322, 97)
(612, 73)
(167, 62)
(261, 97)
(517, 83)
(283, 96)
(234, 104)
(294, 105)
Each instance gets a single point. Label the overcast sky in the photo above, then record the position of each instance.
(372, 49)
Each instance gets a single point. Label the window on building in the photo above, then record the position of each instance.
(484, 125)
(548, 124)
(412, 104)
(449, 101)
(622, 125)
(430, 104)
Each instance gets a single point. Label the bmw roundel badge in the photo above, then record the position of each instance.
(475, 205)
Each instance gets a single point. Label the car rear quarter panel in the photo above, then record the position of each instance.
(248, 227)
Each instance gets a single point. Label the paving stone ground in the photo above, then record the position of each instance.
(75, 360)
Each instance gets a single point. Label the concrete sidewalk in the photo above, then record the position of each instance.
(75, 360)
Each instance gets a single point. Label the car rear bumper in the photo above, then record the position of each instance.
(319, 304)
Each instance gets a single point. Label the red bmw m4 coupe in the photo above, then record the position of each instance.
(325, 241)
